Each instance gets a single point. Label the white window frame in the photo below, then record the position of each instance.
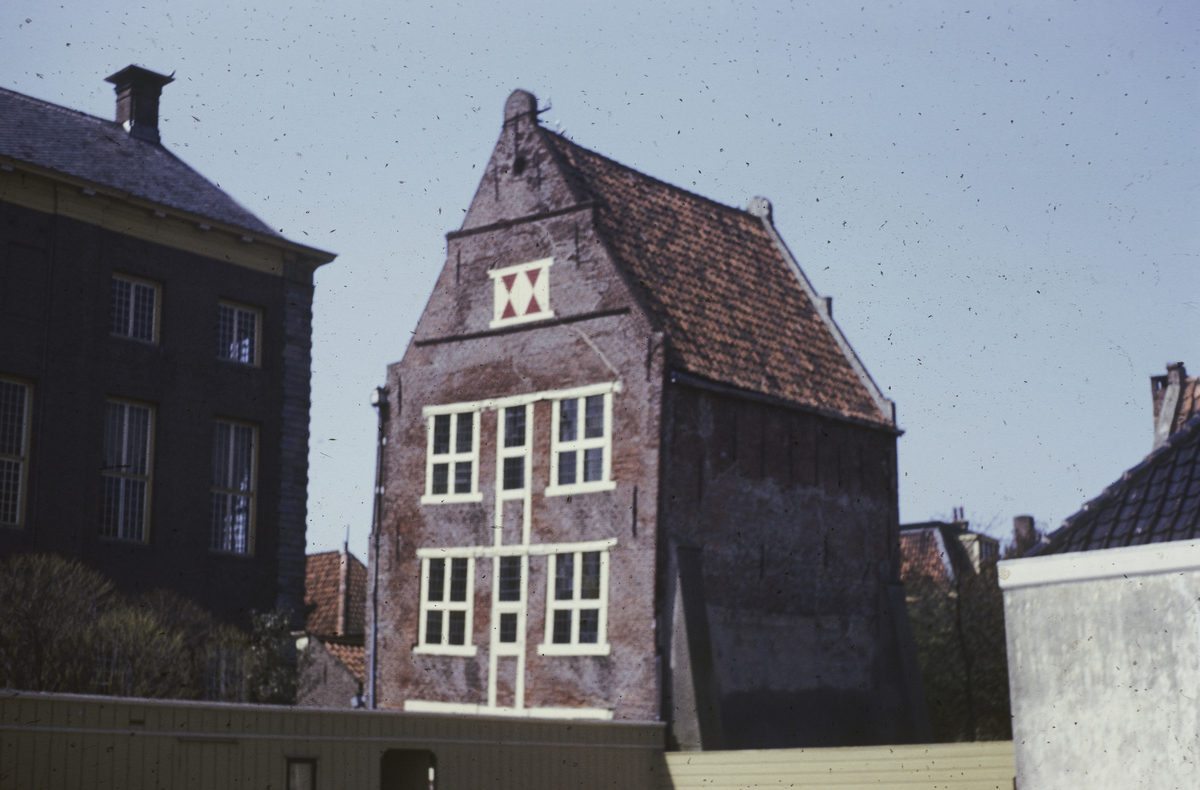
(579, 446)
(222, 353)
(445, 606)
(500, 293)
(251, 494)
(21, 459)
(600, 647)
(146, 478)
(127, 331)
(517, 451)
(452, 457)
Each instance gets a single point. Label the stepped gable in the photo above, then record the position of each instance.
(715, 283)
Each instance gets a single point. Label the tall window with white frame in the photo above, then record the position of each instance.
(133, 309)
(446, 606)
(514, 450)
(237, 333)
(15, 398)
(577, 604)
(452, 460)
(233, 487)
(128, 429)
(581, 452)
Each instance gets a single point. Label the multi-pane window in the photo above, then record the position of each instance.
(577, 604)
(14, 450)
(452, 461)
(508, 604)
(233, 486)
(124, 509)
(581, 445)
(514, 449)
(446, 605)
(237, 333)
(133, 309)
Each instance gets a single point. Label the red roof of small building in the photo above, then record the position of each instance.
(352, 657)
(323, 601)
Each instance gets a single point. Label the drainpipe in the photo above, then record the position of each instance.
(379, 399)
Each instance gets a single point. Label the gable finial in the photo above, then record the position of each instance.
(760, 207)
(520, 103)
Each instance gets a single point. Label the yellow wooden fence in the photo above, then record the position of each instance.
(935, 766)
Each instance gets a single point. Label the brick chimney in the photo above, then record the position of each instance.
(1166, 390)
(138, 90)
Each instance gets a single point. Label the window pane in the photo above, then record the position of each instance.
(589, 626)
(133, 508)
(110, 506)
(514, 426)
(12, 418)
(433, 628)
(589, 583)
(242, 458)
(462, 477)
(137, 438)
(10, 491)
(568, 420)
(441, 434)
(514, 473)
(247, 331)
(230, 522)
(301, 775)
(566, 468)
(437, 579)
(118, 313)
(564, 577)
(508, 627)
(456, 632)
(510, 579)
(441, 479)
(458, 579)
(226, 332)
(562, 627)
(222, 446)
(594, 424)
(142, 320)
(114, 435)
(465, 433)
(593, 464)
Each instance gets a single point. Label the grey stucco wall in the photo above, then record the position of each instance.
(1105, 681)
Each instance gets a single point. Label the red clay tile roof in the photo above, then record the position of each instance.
(712, 278)
(931, 551)
(352, 657)
(322, 579)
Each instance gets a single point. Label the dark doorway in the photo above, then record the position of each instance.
(408, 769)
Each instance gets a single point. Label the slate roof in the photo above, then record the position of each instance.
(718, 287)
(93, 149)
(1157, 500)
(322, 580)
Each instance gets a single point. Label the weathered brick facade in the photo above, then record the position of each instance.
(739, 499)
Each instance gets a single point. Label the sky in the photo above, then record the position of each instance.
(1001, 198)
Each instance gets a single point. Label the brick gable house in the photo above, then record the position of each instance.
(633, 470)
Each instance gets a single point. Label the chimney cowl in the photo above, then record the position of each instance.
(137, 91)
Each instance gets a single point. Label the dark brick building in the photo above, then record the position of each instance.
(634, 471)
(154, 361)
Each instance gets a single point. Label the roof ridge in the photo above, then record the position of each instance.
(1132, 475)
(54, 106)
(647, 176)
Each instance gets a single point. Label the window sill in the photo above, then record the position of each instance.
(450, 499)
(445, 650)
(244, 555)
(581, 488)
(574, 650)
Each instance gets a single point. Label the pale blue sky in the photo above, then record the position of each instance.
(1001, 197)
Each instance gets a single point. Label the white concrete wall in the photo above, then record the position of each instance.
(1104, 667)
